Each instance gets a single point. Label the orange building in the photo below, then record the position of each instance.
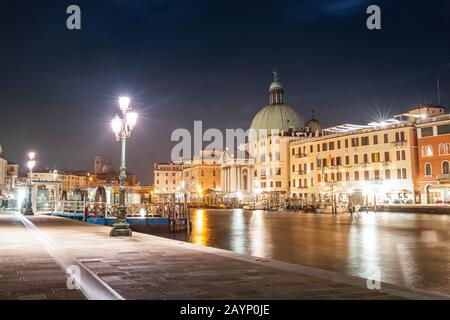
(434, 159)
(201, 177)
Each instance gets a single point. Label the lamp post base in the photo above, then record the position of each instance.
(121, 229)
(28, 212)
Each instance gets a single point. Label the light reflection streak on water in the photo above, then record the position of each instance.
(200, 232)
(258, 240)
(364, 258)
(238, 231)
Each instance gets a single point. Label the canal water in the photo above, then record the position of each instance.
(411, 250)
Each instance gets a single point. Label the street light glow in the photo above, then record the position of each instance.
(116, 125)
(131, 118)
(31, 164)
(31, 155)
(124, 103)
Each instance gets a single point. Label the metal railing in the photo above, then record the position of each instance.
(399, 143)
(136, 210)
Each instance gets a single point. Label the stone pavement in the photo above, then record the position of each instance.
(149, 267)
(27, 271)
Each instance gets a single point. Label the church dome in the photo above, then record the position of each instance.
(314, 125)
(108, 169)
(276, 115)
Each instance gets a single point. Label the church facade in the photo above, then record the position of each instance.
(263, 173)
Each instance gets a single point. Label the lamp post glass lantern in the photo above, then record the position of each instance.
(30, 164)
(122, 126)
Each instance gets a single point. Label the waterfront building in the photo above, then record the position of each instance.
(3, 175)
(433, 132)
(12, 176)
(168, 179)
(371, 164)
(9, 174)
(202, 177)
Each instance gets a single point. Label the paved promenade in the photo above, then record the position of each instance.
(35, 253)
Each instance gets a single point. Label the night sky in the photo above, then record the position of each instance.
(207, 60)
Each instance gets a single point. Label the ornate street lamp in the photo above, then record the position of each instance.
(30, 164)
(122, 128)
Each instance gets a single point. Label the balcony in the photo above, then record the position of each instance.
(300, 172)
(400, 143)
(300, 155)
(441, 177)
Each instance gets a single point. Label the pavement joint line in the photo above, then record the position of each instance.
(408, 293)
(90, 284)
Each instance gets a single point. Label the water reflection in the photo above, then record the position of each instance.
(363, 258)
(238, 232)
(357, 246)
(258, 235)
(200, 228)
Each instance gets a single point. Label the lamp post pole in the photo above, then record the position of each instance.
(31, 163)
(122, 128)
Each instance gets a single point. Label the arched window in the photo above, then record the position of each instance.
(427, 151)
(445, 167)
(428, 170)
(444, 148)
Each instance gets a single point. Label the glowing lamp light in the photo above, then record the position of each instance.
(131, 118)
(124, 103)
(116, 125)
(31, 155)
(31, 164)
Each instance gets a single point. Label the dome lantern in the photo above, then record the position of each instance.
(276, 90)
(276, 116)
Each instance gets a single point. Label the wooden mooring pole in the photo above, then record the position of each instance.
(187, 215)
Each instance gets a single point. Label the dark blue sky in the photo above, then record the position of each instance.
(206, 60)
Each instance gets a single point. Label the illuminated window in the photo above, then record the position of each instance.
(376, 157)
(427, 151)
(444, 148)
